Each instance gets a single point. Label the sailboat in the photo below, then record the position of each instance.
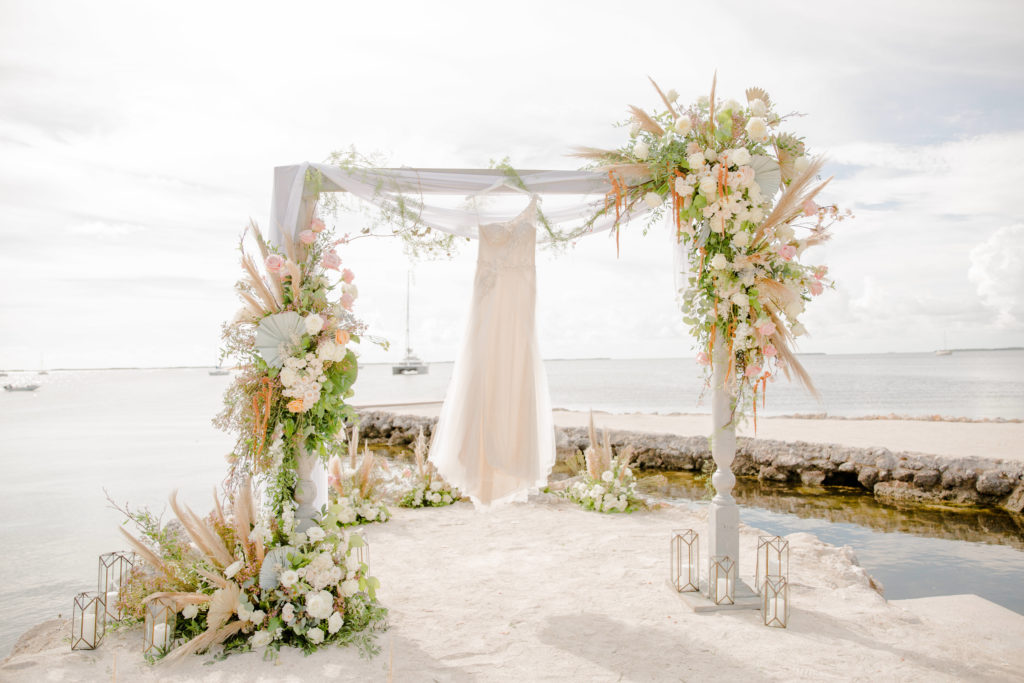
(945, 350)
(411, 364)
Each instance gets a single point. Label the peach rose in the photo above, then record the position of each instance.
(348, 276)
(702, 358)
(810, 208)
(787, 252)
(316, 225)
(295, 405)
(331, 260)
(347, 300)
(342, 337)
(816, 287)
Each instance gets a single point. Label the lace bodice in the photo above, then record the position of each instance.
(507, 248)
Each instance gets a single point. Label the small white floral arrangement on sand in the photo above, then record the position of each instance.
(356, 488)
(606, 483)
(428, 488)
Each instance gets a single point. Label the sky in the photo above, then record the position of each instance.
(137, 139)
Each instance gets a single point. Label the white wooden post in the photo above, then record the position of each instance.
(724, 515)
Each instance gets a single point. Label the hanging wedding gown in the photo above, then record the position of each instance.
(495, 438)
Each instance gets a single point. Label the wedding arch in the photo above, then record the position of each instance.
(295, 193)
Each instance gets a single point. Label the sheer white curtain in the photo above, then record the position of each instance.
(425, 189)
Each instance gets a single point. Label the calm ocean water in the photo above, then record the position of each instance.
(971, 384)
(141, 433)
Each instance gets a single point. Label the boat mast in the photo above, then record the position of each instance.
(408, 285)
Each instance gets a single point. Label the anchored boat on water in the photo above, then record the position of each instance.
(411, 364)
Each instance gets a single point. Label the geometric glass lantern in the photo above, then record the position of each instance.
(722, 580)
(88, 620)
(684, 560)
(158, 634)
(114, 569)
(772, 559)
(775, 601)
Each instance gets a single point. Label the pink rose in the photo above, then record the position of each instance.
(346, 301)
(816, 287)
(702, 358)
(274, 263)
(766, 329)
(307, 237)
(820, 272)
(331, 260)
(753, 371)
(810, 208)
(348, 276)
(769, 351)
(316, 225)
(787, 252)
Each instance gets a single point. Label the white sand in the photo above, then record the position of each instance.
(951, 439)
(545, 591)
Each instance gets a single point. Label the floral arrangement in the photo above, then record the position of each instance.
(290, 342)
(741, 195)
(428, 488)
(250, 583)
(606, 483)
(356, 489)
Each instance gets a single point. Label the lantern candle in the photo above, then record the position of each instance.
(722, 580)
(684, 560)
(88, 620)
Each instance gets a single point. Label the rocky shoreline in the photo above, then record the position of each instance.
(892, 477)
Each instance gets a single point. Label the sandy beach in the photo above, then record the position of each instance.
(544, 591)
(1001, 440)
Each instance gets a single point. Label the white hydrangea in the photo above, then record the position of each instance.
(314, 323)
(320, 604)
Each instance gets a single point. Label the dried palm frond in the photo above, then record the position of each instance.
(214, 579)
(711, 101)
(296, 278)
(275, 280)
(778, 293)
(646, 122)
(626, 456)
(223, 604)
(365, 478)
(671, 109)
(180, 600)
(259, 286)
(759, 94)
(576, 463)
(598, 456)
(255, 308)
(819, 235)
(203, 641)
(218, 511)
(790, 203)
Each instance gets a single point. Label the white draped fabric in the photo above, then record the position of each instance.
(383, 187)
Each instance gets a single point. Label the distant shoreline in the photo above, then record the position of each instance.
(809, 353)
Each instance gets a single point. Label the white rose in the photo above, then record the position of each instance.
(641, 150)
(190, 611)
(288, 613)
(435, 485)
(350, 587)
(695, 160)
(288, 376)
(719, 262)
(335, 623)
(446, 499)
(289, 577)
(683, 188)
(314, 323)
(232, 569)
(607, 476)
(741, 239)
(319, 605)
(784, 233)
(634, 130)
(315, 636)
(708, 186)
(257, 616)
(743, 330)
(758, 107)
(798, 329)
(801, 164)
(757, 129)
(260, 639)
(315, 534)
(710, 154)
(757, 213)
(652, 199)
(683, 125)
(740, 299)
(739, 156)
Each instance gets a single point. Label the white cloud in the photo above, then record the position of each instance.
(997, 269)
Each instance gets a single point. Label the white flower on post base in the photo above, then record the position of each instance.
(315, 534)
(320, 605)
(683, 125)
(289, 577)
(288, 613)
(335, 622)
(314, 323)
(260, 639)
(719, 262)
(739, 156)
(758, 107)
(349, 587)
(741, 239)
(695, 160)
(641, 150)
(315, 636)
